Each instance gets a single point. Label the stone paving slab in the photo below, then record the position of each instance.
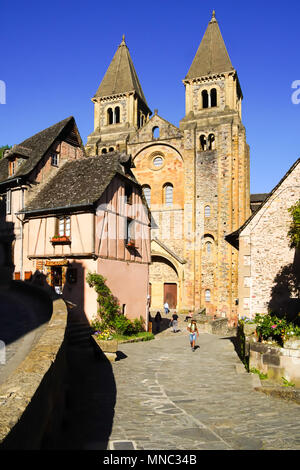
(169, 397)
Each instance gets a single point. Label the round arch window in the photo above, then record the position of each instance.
(158, 161)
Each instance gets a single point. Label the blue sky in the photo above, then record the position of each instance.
(54, 55)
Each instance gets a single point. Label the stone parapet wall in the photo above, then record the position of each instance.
(276, 362)
(32, 399)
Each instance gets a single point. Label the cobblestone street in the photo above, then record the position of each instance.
(169, 397)
(160, 395)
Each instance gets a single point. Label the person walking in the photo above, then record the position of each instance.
(174, 322)
(166, 307)
(157, 320)
(194, 333)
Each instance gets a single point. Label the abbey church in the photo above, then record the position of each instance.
(195, 176)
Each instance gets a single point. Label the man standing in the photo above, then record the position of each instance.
(166, 307)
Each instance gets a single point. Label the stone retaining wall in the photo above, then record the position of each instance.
(276, 362)
(32, 399)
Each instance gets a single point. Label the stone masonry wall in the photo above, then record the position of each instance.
(264, 247)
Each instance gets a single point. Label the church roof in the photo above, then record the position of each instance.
(120, 76)
(212, 56)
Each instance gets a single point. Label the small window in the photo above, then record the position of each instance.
(213, 97)
(104, 150)
(8, 202)
(27, 275)
(110, 116)
(168, 189)
(208, 246)
(12, 167)
(204, 99)
(128, 193)
(202, 142)
(155, 132)
(207, 295)
(54, 159)
(147, 194)
(130, 231)
(158, 161)
(207, 211)
(117, 115)
(64, 226)
(111, 149)
(211, 142)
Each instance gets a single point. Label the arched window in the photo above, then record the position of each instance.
(110, 117)
(168, 190)
(208, 248)
(104, 150)
(207, 211)
(117, 115)
(158, 161)
(111, 149)
(155, 132)
(211, 142)
(213, 97)
(147, 193)
(202, 142)
(207, 295)
(204, 99)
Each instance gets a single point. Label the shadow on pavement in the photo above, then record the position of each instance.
(90, 402)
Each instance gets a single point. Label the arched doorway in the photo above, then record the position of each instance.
(164, 283)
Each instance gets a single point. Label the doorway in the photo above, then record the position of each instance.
(170, 294)
(56, 279)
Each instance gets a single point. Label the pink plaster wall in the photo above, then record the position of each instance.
(129, 283)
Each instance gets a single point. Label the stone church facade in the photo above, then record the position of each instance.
(195, 176)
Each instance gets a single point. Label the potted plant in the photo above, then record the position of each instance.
(60, 239)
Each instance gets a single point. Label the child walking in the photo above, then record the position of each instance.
(192, 328)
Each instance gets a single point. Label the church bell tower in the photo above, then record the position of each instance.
(120, 107)
(215, 140)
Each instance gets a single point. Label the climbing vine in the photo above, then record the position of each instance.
(294, 231)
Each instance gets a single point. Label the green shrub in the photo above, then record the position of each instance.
(109, 315)
(294, 231)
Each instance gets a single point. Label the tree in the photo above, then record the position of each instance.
(4, 147)
(294, 231)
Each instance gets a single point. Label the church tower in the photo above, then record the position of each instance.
(218, 158)
(120, 107)
(195, 177)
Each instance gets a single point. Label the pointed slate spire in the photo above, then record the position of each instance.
(120, 76)
(212, 55)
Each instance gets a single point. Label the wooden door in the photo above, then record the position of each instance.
(170, 294)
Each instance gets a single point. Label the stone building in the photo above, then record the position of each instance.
(195, 176)
(269, 270)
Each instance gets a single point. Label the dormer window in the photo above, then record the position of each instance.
(54, 159)
(12, 167)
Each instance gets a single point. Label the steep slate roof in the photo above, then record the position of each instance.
(34, 148)
(260, 197)
(233, 238)
(120, 76)
(212, 55)
(80, 183)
